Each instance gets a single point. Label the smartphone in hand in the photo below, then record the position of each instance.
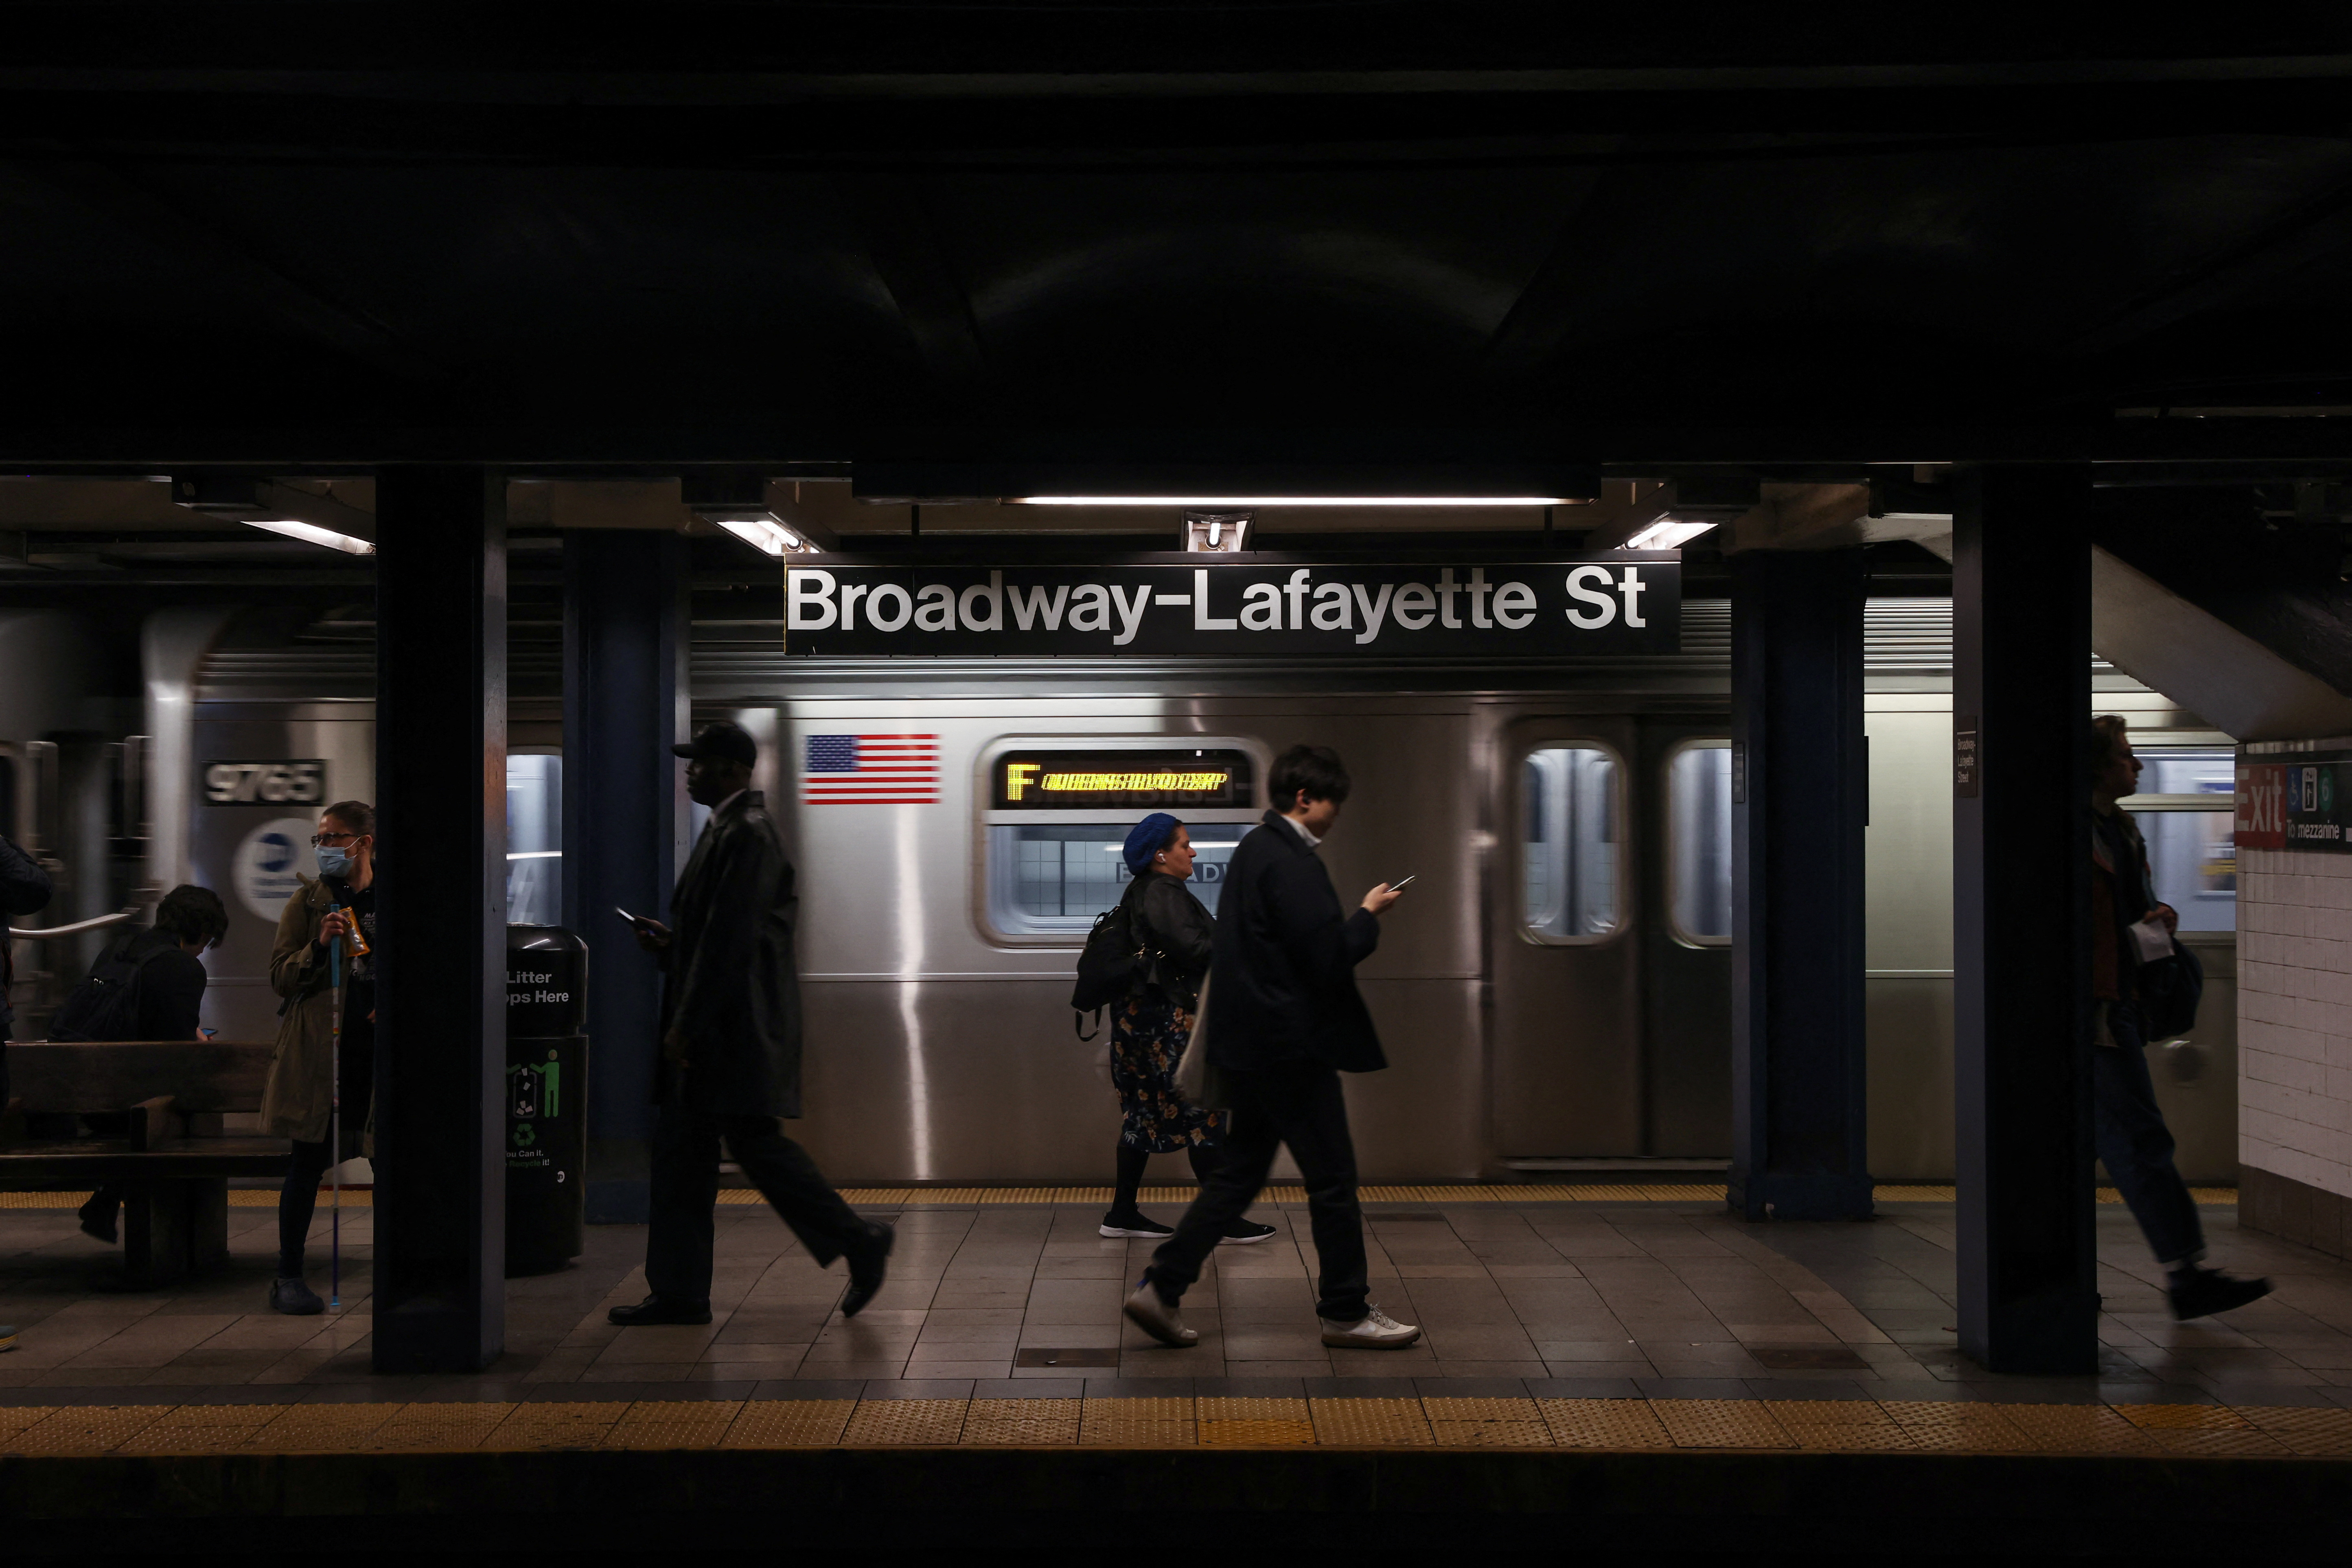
(1402, 884)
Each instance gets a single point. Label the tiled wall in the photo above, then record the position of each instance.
(2294, 1016)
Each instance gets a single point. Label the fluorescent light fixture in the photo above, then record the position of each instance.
(1217, 503)
(765, 534)
(539, 854)
(1666, 534)
(311, 533)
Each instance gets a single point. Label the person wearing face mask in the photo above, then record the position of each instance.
(729, 1062)
(296, 1101)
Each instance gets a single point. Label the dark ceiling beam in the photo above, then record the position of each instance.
(904, 247)
(1559, 293)
(2309, 231)
(304, 306)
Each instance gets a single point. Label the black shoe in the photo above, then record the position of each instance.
(295, 1299)
(2206, 1291)
(1136, 1225)
(1243, 1232)
(660, 1309)
(98, 1217)
(867, 1265)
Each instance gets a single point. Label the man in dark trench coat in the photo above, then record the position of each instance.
(731, 1053)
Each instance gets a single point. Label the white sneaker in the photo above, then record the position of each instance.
(1155, 1317)
(1378, 1331)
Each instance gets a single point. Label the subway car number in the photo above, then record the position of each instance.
(296, 782)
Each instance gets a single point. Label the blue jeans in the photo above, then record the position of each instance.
(2136, 1145)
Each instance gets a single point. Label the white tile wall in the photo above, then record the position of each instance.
(2294, 1015)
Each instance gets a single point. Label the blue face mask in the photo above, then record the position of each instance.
(334, 860)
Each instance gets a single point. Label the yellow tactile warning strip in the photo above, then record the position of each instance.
(958, 1197)
(2153, 1431)
(1255, 1424)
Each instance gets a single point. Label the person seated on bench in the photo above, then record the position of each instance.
(303, 1073)
(148, 985)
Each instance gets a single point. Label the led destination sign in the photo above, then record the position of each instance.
(1625, 602)
(1152, 781)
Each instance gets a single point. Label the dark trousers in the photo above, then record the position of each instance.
(1297, 1104)
(297, 1199)
(685, 1185)
(2136, 1144)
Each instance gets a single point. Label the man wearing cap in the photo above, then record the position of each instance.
(729, 1064)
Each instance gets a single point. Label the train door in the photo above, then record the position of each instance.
(1609, 938)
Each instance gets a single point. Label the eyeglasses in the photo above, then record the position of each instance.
(319, 838)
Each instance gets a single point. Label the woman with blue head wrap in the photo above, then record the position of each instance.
(1150, 1028)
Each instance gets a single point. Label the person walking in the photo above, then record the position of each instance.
(1150, 1030)
(311, 1067)
(164, 1001)
(2128, 1126)
(1285, 1019)
(729, 1064)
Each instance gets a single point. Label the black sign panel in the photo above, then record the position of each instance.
(1622, 602)
(2297, 802)
(1123, 781)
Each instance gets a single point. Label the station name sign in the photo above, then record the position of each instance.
(1621, 602)
(2305, 804)
(1126, 780)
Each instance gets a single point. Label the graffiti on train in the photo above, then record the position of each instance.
(1625, 602)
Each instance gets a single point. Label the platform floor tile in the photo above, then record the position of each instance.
(672, 1424)
(1487, 1423)
(321, 1428)
(1957, 1426)
(439, 1428)
(1848, 1425)
(1722, 1424)
(1136, 1423)
(936, 1422)
(1021, 1423)
(2305, 1430)
(1604, 1423)
(1255, 1423)
(87, 1429)
(203, 1429)
(1371, 1423)
(789, 1424)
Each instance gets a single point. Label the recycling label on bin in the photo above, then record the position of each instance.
(534, 1094)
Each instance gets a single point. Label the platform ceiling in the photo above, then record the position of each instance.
(603, 238)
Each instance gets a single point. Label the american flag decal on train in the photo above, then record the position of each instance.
(871, 770)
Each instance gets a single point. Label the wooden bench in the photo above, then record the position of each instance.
(175, 1186)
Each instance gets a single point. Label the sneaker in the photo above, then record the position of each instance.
(7, 1336)
(1136, 1227)
(1376, 1331)
(1155, 1317)
(1243, 1232)
(2206, 1291)
(295, 1299)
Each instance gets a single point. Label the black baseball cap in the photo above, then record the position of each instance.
(725, 740)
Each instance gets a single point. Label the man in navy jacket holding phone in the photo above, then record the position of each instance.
(1285, 1019)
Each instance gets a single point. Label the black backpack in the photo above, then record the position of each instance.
(2169, 989)
(1116, 955)
(105, 1005)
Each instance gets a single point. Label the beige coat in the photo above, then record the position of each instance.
(296, 1101)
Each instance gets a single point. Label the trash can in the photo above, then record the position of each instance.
(547, 1098)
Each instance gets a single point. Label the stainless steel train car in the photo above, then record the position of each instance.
(1554, 992)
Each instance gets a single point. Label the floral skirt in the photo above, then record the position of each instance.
(1147, 1035)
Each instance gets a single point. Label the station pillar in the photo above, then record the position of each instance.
(2021, 907)
(625, 699)
(441, 743)
(1800, 801)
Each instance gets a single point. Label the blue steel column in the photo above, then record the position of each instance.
(2021, 907)
(626, 698)
(1799, 798)
(441, 759)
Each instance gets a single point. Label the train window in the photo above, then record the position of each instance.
(1698, 839)
(534, 839)
(1047, 877)
(2192, 856)
(1569, 866)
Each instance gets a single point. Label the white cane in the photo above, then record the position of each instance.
(335, 1131)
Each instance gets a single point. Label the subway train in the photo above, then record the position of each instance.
(1554, 991)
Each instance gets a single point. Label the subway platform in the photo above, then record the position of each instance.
(1627, 1368)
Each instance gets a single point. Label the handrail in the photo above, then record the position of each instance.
(115, 919)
